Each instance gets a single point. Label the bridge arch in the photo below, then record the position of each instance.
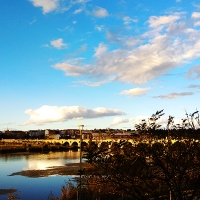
(74, 144)
(66, 144)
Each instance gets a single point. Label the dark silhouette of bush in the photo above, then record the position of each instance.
(150, 170)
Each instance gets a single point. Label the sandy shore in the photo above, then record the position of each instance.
(68, 169)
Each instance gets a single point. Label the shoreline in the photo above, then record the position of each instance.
(71, 169)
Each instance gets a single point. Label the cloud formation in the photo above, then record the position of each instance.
(58, 5)
(100, 12)
(119, 120)
(137, 120)
(100, 50)
(97, 83)
(58, 43)
(99, 27)
(72, 67)
(194, 72)
(47, 114)
(127, 20)
(169, 43)
(194, 86)
(135, 92)
(174, 95)
(78, 11)
(47, 5)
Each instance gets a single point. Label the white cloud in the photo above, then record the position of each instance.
(119, 120)
(47, 114)
(196, 15)
(100, 12)
(47, 5)
(100, 50)
(97, 83)
(127, 20)
(137, 120)
(194, 72)
(169, 43)
(174, 95)
(99, 28)
(155, 21)
(92, 84)
(78, 11)
(72, 67)
(58, 5)
(197, 23)
(70, 70)
(131, 42)
(58, 44)
(135, 92)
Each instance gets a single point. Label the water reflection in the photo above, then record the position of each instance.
(17, 156)
(53, 159)
(43, 161)
(10, 163)
(42, 165)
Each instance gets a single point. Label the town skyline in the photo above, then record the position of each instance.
(97, 63)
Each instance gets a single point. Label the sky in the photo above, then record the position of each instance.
(103, 64)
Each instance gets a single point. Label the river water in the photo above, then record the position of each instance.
(35, 188)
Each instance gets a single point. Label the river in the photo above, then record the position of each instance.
(36, 188)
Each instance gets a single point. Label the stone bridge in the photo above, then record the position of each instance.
(65, 142)
(76, 142)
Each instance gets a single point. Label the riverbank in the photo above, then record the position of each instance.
(34, 175)
(68, 169)
(71, 169)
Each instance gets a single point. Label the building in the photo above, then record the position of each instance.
(52, 134)
(36, 134)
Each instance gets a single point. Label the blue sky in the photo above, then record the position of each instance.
(104, 64)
